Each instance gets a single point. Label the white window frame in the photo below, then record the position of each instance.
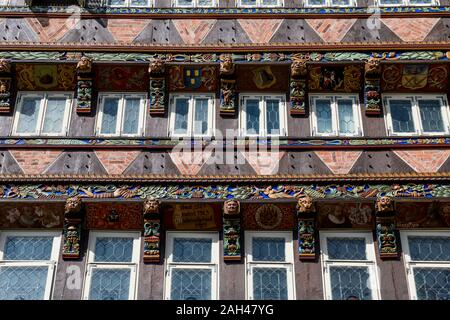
(259, 4)
(133, 265)
(411, 264)
(213, 265)
(150, 4)
(191, 113)
(370, 263)
(329, 4)
(334, 115)
(195, 4)
(51, 264)
(416, 113)
(262, 115)
(119, 127)
(288, 264)
(42, 108)
(5, 3)
(407, 3)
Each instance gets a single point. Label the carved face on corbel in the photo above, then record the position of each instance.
(151, 206)
(5, 66)
(84, 65)
(305, 204)
(384, 204)
(372, 68)
(73, 205)
(4, 86)
(298, 68)
(231, 208)
(227, 66)
(156, 67)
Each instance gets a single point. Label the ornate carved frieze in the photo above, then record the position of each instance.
(297, 87)
(5, 86)
(84, 85)
(231, 230)
(227, 86)
(306, 223)
(152, 232)
(372, 86)
(73, 218)
(157, 87)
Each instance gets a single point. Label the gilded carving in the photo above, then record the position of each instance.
(5, 66)
(84, 65)
(384, 204)
(231, 208)
(305, 204)
(227, 67)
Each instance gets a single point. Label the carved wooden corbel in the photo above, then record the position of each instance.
(84, 85)
(157, 87)
(372, 87)
(152, 232)
(231, 230)
(385, 228)
(227, 86)
(297, 87)
(5, 86)
(306, 221)
(73, 217)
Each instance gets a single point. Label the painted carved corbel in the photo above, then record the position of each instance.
(372, 87)
(84, 85)
(297, 87)
(157, 87)
(231, 230)
(5, 86)
(227, 86)
(73, 217)
(306, 222)
(385, 228)
(152, 230)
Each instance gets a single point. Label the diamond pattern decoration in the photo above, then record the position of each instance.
(346, 248)
(411, 29)
(191, 284)
(432, 283)
(116, 162)
(192, 250)
(339, 162)
(113, 249)
(268, 249)
(23, 283)
(269, 284)
(424, 160)
(33, 161)
(429, 248)
(28, 248)
(110, 284)
(260, 30)
(350, 283)
(331, 30)
(193, 31)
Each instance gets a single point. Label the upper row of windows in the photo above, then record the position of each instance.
(259, 3)
(122, 114)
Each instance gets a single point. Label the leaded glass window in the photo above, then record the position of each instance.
(27, 264)
(260, 3)
(335, 115)
(192, 115)
(195, 3)
(121, 114)
(349, 265)
(191, 262)
(330, 3)
(413, 115)
(42, 114)
(407, 2)
(129, 3)
(263, 115)
(112, 263)
(427, 259)
(269, 265)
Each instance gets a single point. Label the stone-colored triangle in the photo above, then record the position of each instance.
(264, 163)
(331, 30)
(125, 30)
(424, 160)
(411, 29)
(339, 162)
(260, 30)
(115, 162)
(34, 161)
(190, 162)
(193, 31)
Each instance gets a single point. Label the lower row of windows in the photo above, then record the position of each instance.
(28, 262)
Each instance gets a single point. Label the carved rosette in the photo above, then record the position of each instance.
(231, 230)
(73, 217)
(297, 87)
(5, 86)
(84, 85)
(157, 87)
(152, 231)
(306, 228)
(372, 87)
(228, 94)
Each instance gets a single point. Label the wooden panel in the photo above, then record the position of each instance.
(335, 78)
(193, 78)
(31, 215)
(345, 215)
(121, 78)
(43, 77)
(260, 78)
(192, 216)
(114, 216)
(231, 279)
(268, 216)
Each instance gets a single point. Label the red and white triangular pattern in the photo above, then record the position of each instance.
(35, 161)
(331, 30)
(194, 31)
(339, 162)
(411, 29)
(125, 30)
(190, 162)
(424, 160)
(264, 163)
(115, 162)
(260, 30)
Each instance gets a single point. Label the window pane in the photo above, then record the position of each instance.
(141, 3)
(323, 113)
(205, 3)
(346, 117)
(28, 248)
(429, 248)
(350, 283)
(431, 115)
(346, 248)
(401, 113)
(420, 1)
(340, 2)
(28, 115)
(273, 116)
(113, 249)
(23, 283)
(192, 250)
(248, 2)
(269, 2)
(268, 249)
(109, 120)
(116, 2)
(252, 113)
(185, 3)
(191, 284)
(432, 283)
(54, 115)
(131, 116)
(181, 115)
(391, 2)
(201, 116)
(269, 284)
(110, 284)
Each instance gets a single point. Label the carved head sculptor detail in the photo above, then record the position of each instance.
(231, 207)
(305, 204)
(372, 67)
(152, 206)
(84, 65)
(156, 67)
(73, 205)
(298, 68)
(385, 204)
(227, 65)
(5, 66)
